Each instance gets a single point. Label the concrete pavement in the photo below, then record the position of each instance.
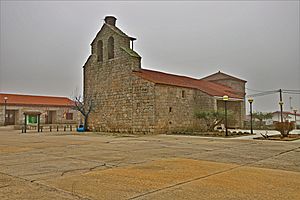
(92, 166)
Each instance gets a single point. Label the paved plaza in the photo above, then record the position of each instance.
(100, 166)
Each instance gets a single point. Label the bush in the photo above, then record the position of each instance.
(284, 128)
(213, 118)
(262, 116)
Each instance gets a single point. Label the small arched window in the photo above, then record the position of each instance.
(100, 51)
(110, 47)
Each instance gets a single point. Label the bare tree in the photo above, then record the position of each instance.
(84, 106)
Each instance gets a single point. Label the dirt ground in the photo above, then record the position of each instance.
(92, 166)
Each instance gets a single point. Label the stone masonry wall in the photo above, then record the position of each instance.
(175, 107)
(114, 89)
(236, 107)
(110, 87)
(240, 107)
(236, 84)
(59, 118)
(143, 105)
(2, 115)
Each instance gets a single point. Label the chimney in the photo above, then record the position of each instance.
(111, 20)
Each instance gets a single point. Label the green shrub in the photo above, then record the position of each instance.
(213, 118)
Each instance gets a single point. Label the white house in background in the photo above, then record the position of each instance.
(287, 116)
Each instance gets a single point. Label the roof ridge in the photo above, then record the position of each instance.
(119, 31)
(219, 72)
(172, 74)
(23, 99)
(115, 29)
(32, 95)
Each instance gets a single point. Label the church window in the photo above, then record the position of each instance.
(183, 94)
(100, 51)
(170, 109)
(110, 47)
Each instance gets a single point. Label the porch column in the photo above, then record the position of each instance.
(38, 121)
(25, 122)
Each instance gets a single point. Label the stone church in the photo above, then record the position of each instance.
(130, 99)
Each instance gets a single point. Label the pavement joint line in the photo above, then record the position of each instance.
(209, 175)
(284, 152)
(278, 154)
(63, 191)
(35, 174)
(92, 160)
(287, 151)
(262, 159)
(46, 186)
(185, 182)
(4, 186)
(86, 168)
(8, 165)
(67, 171)
(74, 158)
(13, 176)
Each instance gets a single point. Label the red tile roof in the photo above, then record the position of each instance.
(210, 88)
(20, 99)
(287, 113)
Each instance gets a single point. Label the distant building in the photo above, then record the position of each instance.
(130, 99)
(54, 110)
(276, 117)
(287, 116)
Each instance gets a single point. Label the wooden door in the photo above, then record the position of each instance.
(10, 117)
(49, 117)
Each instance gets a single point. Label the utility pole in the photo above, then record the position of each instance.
(295, 111)
(281, 104)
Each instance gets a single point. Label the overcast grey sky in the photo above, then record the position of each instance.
(45, 44)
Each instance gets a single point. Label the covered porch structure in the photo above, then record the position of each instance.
(32, 117)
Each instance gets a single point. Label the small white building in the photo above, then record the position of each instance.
(287, 116)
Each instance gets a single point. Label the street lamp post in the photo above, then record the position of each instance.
(295, 111)
(225, 99)
(250, 100)
(5, 102)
